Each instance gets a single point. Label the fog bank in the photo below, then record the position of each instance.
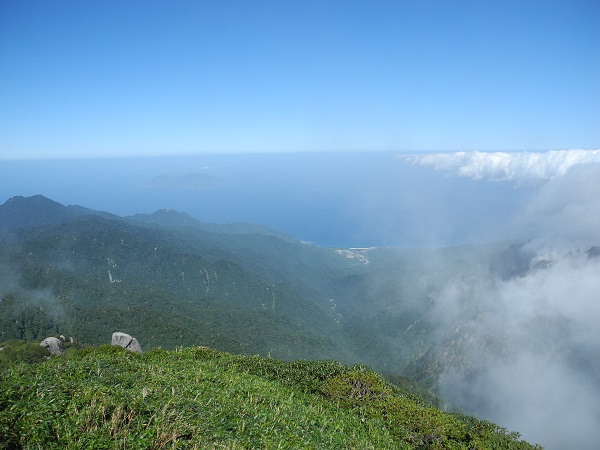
(525, 348)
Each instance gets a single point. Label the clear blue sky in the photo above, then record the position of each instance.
(105, 78)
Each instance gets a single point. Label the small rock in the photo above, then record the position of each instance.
(126, 341)
(54, 345)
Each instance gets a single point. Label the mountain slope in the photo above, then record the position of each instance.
(198, 398)
(105, 274)
(36, 211)
(168, 280)
(173, 219)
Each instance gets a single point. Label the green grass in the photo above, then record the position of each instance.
(21, 351)
(106, 397)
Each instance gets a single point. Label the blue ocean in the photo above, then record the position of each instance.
(358, 199)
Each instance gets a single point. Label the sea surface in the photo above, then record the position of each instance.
(358, 199)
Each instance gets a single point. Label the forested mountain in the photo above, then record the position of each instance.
(171, 280)
(36, 211)
(174, 219)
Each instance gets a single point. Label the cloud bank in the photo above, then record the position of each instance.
(564, 213)
(518, 167)
(561, 188)
(527, 349)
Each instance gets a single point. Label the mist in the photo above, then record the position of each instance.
(526, 346)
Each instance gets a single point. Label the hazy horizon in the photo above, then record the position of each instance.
(332, 199)
(348, 199)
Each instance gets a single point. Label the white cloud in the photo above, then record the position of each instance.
(517, 167)
(531, 347)
(565, 211)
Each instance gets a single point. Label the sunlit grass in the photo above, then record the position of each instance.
(198, 398)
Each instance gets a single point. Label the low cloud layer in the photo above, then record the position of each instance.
(562, 209)
(527, 346)
(518, 167)
(565, 212)
(529, 350)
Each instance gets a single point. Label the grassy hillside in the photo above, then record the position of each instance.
(107, 397)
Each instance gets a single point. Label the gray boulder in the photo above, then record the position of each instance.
(126, 341)
(54, 345)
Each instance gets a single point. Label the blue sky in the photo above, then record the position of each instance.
(129, 78)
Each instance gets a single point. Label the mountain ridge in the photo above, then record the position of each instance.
(38, 210)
